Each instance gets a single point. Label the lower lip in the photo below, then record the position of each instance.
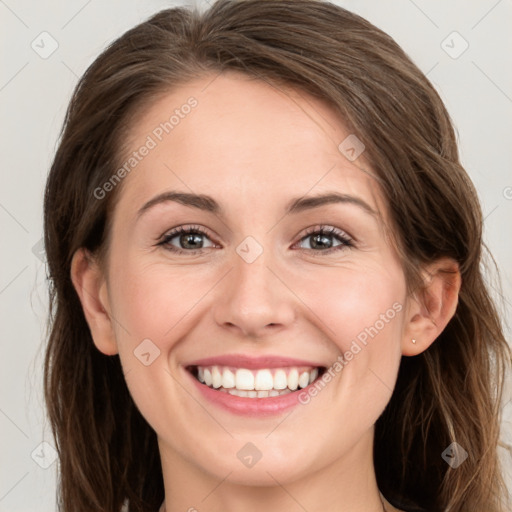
(250, 406)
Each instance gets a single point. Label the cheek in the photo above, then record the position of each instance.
(363, 310)
(347, 302)
(360, 310)
(154, 309)
(357, 305)
(154, 300)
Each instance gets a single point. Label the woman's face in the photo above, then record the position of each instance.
(254, 286)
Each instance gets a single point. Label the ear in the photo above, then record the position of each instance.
(91, 287)
(429, 310)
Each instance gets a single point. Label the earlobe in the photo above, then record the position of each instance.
(91, 287)
(431, 309)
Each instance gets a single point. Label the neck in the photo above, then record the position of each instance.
(343, 485)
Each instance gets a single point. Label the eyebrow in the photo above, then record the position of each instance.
(208, 204)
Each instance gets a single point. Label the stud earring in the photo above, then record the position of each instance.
(414, 341)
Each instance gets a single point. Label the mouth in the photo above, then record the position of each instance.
(256, 383)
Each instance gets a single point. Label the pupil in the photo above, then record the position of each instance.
(190, 237)
(324, 241)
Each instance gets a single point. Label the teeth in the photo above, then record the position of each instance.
(216, 377)
(293, 379)
(256, 383)
(303, 379)
(244, 379)
(264, 380)
(207, 377)
(257, 394)
(228, 379)
(280, 380)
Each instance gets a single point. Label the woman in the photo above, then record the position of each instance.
(265, 265)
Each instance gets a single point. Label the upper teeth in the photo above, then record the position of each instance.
(259, 380)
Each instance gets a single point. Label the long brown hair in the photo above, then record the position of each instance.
(449, 393)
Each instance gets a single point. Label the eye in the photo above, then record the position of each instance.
(320, 239)
(190, 238)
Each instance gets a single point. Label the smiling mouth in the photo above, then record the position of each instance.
(261, 383)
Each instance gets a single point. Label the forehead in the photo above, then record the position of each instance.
(229, 132)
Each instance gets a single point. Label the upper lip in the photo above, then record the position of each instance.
(250, 362)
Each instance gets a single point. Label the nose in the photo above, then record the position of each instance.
(254, 299)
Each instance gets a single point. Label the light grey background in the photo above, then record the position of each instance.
(34, 91)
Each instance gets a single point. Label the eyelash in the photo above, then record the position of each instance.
(346, 241)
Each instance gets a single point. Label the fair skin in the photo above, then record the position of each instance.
(253, 148)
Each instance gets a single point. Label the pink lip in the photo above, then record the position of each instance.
(243, 406)
(252, 363)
